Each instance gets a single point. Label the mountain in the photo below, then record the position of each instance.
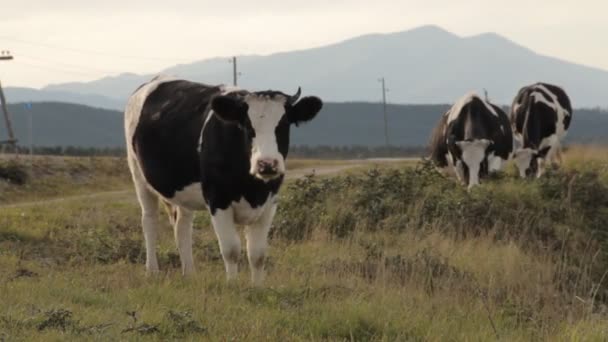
(424, 65)
(338, 124)
(17, 94)
(66, 124)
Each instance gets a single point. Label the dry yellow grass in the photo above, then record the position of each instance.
(408, 270)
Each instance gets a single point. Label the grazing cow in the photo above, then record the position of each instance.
(196, 147)
(540, 116)
(473, 137)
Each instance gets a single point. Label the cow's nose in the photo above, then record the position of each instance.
(268, 167)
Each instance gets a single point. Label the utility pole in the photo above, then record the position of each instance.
(485, 93)
(30, 125)
(384, 90)
(6, 56)
(235, 73)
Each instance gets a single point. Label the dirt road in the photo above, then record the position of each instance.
(291, 174)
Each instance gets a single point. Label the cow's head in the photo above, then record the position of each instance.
(473, 154)
(530, 162)
(265, 117)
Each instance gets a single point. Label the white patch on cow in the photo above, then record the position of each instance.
(227, 89)
(228, 239)
(199, 148)
(489, 107)
(258, 221)
(190, 197)
(523, 157)
(495, 163)
(448, 157)
(245, 214)
(257, 242)
(182, 230)
(459, 169)
(454, 112)
(516, 107)
(473, 153)
(264, 115)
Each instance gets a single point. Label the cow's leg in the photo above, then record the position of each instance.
(257, 244)
(183, 238)
(228, 238)
(556, 157)
(540, 171)
(149, 222)
(459, 168)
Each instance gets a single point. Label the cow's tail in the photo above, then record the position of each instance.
(437, 144)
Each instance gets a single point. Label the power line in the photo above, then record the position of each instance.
(69, 65)
(90, 52)
(58, 69)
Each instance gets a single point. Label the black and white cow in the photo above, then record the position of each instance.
(196, 147)
(473, 137)
(540, 116)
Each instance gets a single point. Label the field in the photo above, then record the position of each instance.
(396, 252)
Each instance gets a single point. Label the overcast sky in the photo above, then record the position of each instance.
(72, 40)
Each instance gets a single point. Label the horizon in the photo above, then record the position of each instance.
(68, 41)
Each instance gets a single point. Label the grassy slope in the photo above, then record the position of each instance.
(389, 257)
(52, 177)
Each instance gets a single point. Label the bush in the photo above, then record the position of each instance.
(13, 172)
(565, 212)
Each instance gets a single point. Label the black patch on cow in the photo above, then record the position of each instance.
(167, 134)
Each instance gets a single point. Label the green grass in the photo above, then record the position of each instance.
(377, 254)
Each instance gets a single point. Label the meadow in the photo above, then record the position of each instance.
(375, 253)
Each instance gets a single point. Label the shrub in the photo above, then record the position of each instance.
(13, 172)
(565, 212)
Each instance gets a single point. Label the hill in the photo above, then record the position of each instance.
(338, 124)
(424, 65)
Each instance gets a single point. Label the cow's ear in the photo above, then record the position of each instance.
(230, 109)
(542, 153)
(305, 110)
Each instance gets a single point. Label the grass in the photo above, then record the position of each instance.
(50, 177)
(394, 253)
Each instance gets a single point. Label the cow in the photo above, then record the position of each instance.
(540, 117)
(199, 147)
(473, 138)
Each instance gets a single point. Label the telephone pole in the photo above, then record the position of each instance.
(235, 73)
(6, 56)
(384, 90)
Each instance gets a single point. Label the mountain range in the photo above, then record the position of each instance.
(427, 65)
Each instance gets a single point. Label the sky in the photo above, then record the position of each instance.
(73, 40)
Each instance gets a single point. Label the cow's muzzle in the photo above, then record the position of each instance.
(267, 169)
